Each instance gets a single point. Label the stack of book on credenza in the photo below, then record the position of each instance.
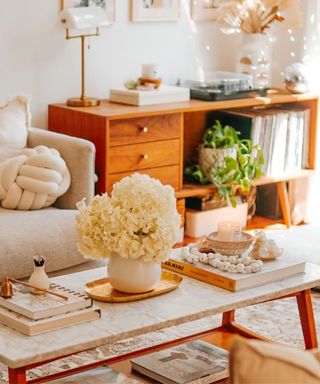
(164, 94)
(34, 314)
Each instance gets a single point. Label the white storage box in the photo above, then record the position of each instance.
(200, 223)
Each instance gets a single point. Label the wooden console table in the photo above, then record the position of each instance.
(158, 139)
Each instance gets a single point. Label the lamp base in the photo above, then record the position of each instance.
(85, 102)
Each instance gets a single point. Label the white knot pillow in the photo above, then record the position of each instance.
(34, 179)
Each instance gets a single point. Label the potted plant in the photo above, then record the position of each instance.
(227, 162)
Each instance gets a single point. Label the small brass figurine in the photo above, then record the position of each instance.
(6, 288)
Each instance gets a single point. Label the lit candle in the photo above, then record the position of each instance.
(228, 230)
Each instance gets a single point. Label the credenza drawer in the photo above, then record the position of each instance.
(142, 156)
(167, 175)
(144, 129)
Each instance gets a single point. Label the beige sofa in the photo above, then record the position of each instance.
(51, 231)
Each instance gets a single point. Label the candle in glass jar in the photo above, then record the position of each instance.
(228, 230)
(150, 71)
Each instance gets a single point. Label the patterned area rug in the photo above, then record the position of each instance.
(278, 320)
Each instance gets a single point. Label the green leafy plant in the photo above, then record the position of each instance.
(236, 174)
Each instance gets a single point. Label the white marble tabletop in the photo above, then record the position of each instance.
(190, 301)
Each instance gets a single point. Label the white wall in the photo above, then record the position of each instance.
(37, 60)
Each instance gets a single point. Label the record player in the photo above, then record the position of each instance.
(222, 85)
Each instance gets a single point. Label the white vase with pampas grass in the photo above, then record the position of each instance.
(253, 18)
(254, 58)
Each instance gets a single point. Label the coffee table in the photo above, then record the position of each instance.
(191, 301)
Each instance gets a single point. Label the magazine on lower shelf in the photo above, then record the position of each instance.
(195, 362)
(35, 327)
(283, 267)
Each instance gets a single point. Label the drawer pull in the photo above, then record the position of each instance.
(144, 129)
(145, 156)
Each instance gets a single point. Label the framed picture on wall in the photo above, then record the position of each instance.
(108, 5)
(155, 10)
(205, 9)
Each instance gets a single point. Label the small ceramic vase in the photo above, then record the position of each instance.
(39, 278)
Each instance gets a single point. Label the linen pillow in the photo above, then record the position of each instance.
(14, 123)
(258, 362)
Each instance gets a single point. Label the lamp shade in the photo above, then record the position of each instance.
(84, 17)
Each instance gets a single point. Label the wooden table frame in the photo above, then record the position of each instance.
(304, 302)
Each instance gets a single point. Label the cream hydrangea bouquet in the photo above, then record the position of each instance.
(138, 220)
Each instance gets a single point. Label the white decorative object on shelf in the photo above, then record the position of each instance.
(263, 248)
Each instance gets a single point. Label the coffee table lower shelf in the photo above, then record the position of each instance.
(221, 336)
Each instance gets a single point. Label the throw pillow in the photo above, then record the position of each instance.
(14, 123)
(34, 179)
(258, 362)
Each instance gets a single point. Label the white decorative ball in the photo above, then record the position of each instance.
(195, 251)
(224, 258)
(232, 259)
(232, 268)
(255, 267)
(190, 259)
(259, 262)
(248, 269)
(226, 265)
(203, 258)
(247, 260)
(220, 264)
(214, 262)
(240, 268)
(211, 256)
(239, 260)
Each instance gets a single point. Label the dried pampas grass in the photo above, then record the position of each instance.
(256, 16)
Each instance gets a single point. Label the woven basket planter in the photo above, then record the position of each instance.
(214, 157)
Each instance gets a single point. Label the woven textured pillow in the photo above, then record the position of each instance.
(14, 123)
(34, 179)
(257, 362)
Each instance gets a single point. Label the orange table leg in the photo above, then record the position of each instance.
(17, 375)
(307, 319)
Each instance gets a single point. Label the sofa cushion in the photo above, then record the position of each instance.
(14, 123)
(34, 179)
(49, 232)
(257, 362)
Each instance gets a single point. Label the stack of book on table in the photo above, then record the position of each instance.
(34, 314)
(164, 94)
(274, 270)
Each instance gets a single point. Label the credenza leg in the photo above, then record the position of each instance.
(17, 375)
(284, 202)
(307, 319)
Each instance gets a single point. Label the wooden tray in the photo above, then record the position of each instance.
(102, 290)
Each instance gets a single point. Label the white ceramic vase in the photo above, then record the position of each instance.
(254, 58)
(133, 275)
(39, 279)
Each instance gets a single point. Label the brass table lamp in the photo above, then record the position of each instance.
(83, 18)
